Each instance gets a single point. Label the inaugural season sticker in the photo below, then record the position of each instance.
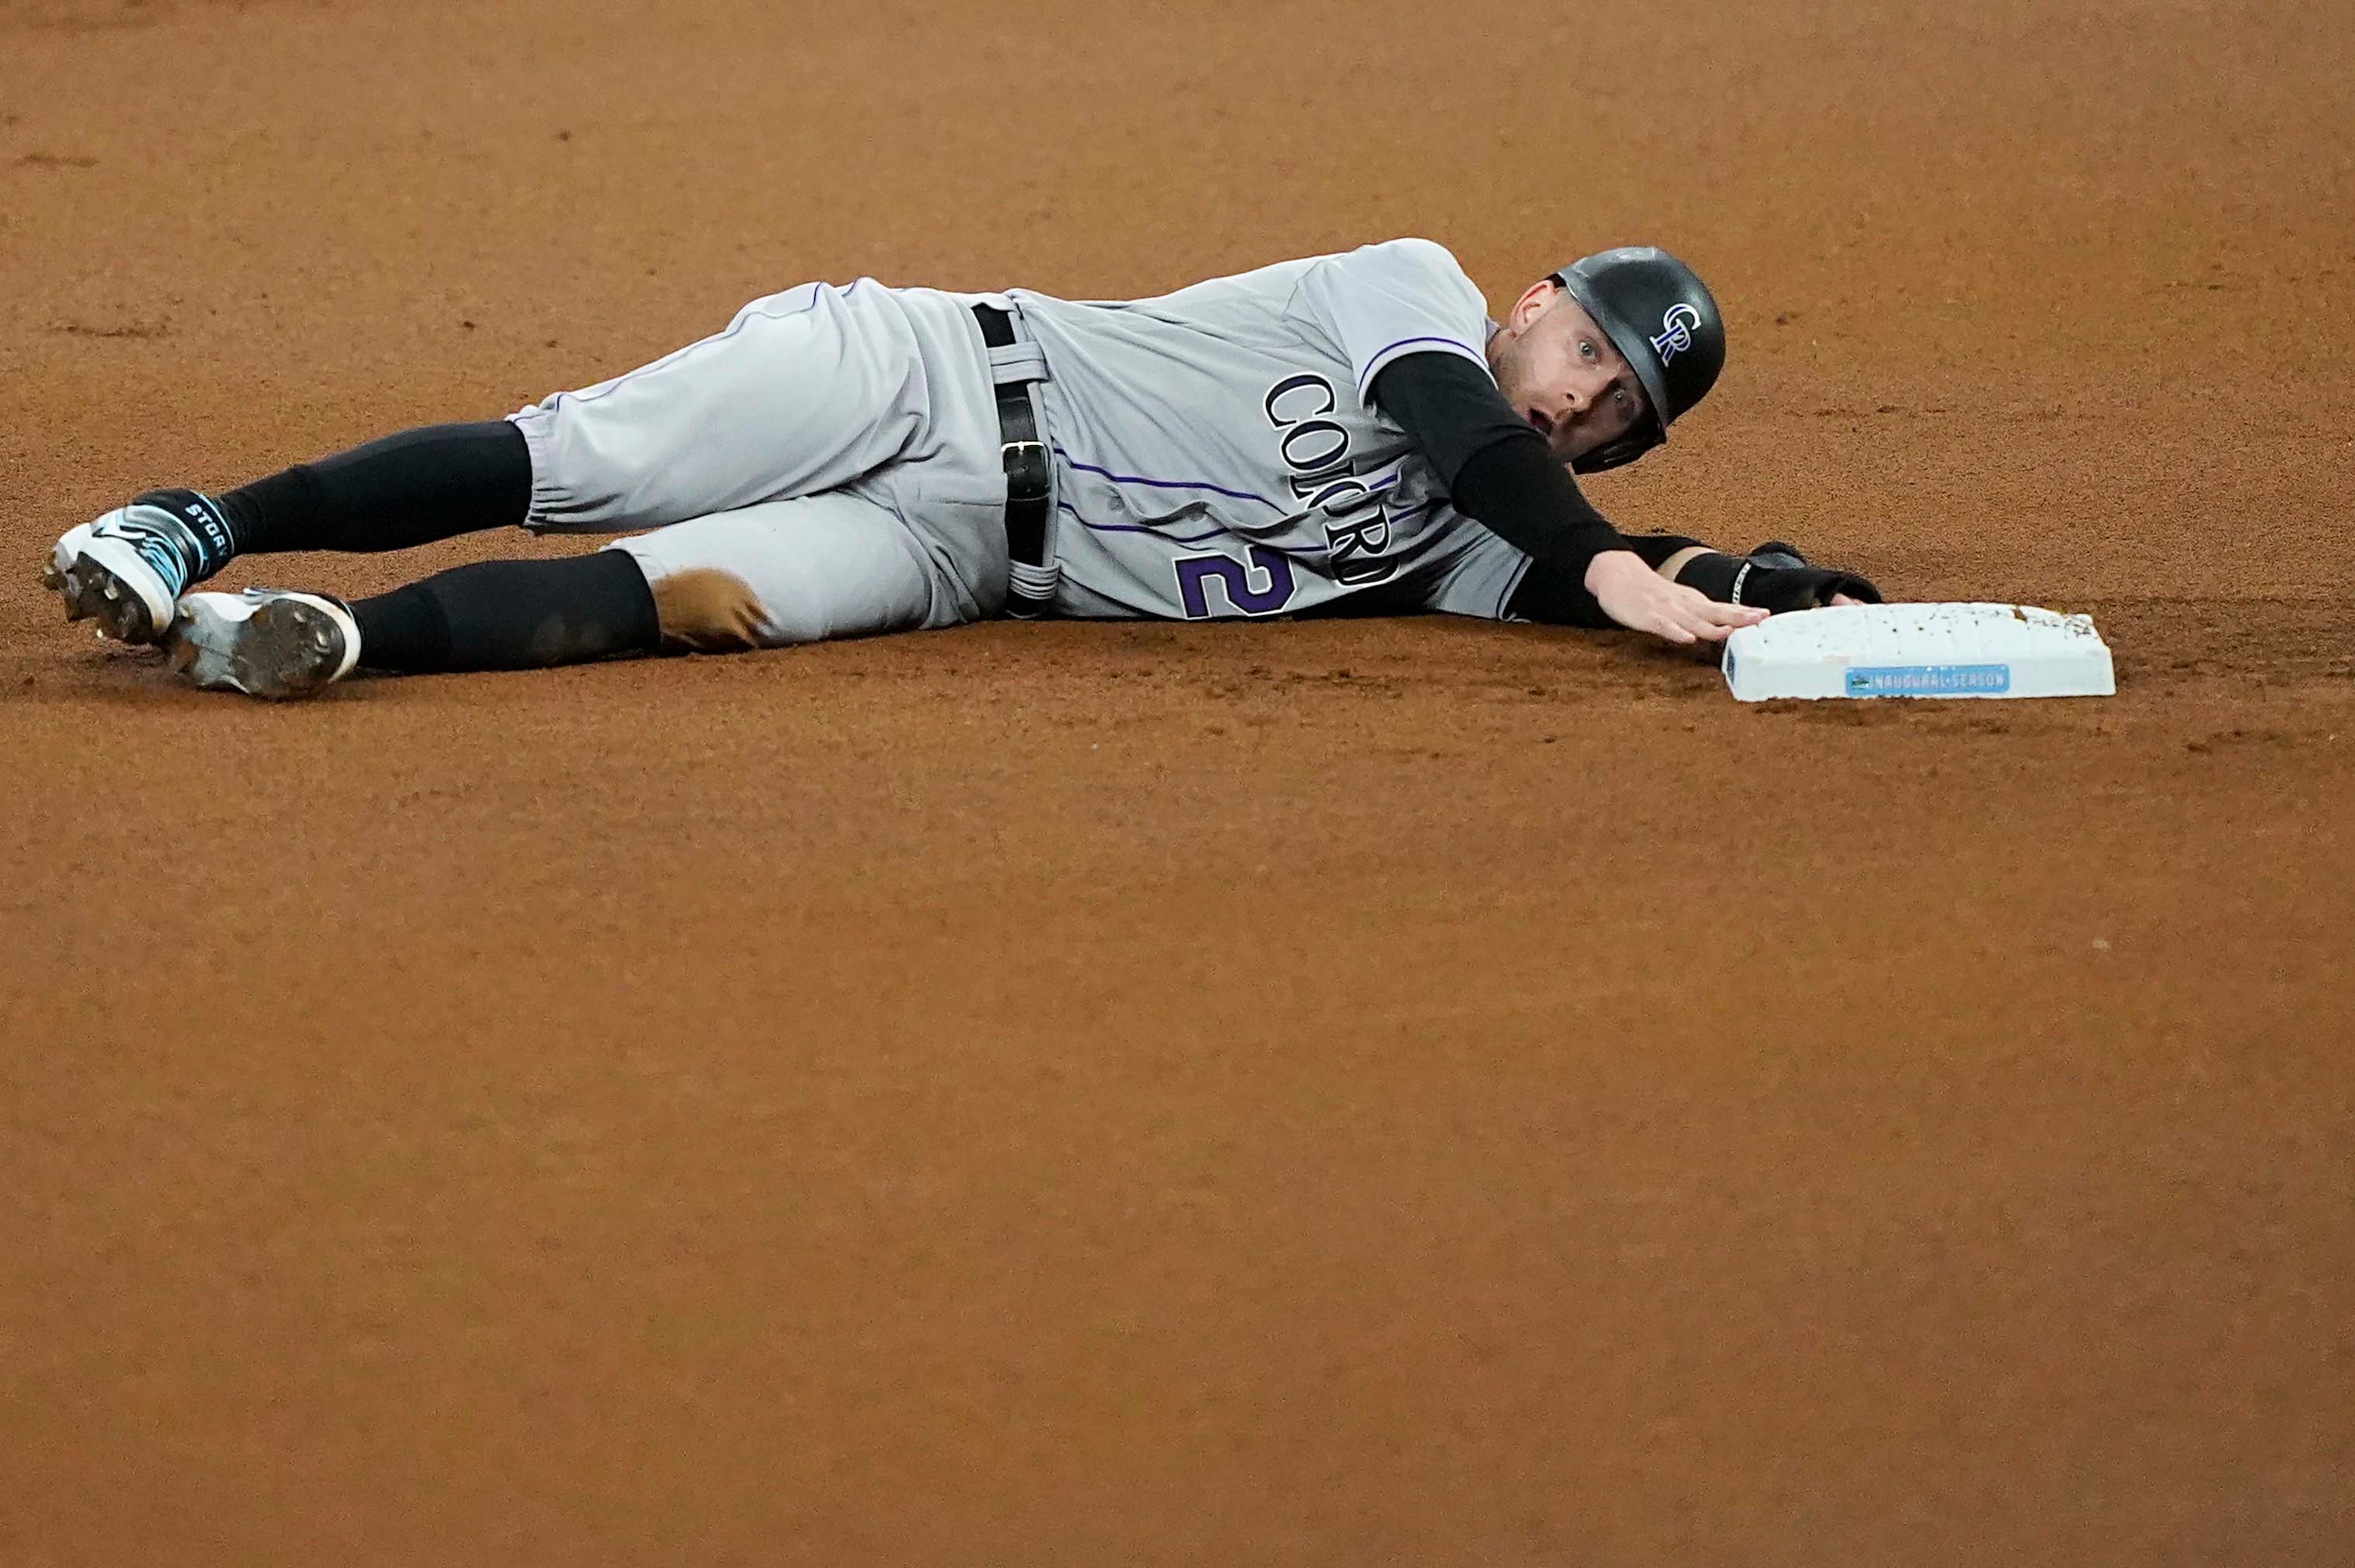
(1930, 680)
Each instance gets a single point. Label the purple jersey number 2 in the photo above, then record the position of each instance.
(1236, 579)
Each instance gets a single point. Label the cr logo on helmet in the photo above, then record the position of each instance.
(1676, 334)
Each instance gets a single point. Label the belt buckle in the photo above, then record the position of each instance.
(1011, 450)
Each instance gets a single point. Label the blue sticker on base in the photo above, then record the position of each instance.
(1930, 680)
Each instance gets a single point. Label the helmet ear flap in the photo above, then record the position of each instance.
(1620, 453)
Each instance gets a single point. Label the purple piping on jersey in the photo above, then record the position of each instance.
(745, 320)
(1135, 528)
(1165, 484)
(1382, 485)
(1402, 343)
(1386, 484)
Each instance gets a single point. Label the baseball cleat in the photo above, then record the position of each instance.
(265, 642)
(127, 569)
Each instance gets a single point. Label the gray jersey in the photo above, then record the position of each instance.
(1215, 454)
(831, 463)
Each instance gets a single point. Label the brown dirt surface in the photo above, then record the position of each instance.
(1346, 1092)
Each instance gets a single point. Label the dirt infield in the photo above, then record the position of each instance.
(1345, 1092)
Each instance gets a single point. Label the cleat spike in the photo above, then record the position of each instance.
(124, 569)
(266, 642)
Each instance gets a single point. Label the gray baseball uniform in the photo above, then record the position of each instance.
(833, 455)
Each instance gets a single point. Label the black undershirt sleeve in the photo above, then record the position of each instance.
(1554, 596)
(1498, 470)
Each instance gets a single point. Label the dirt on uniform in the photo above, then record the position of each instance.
(1342, 1091)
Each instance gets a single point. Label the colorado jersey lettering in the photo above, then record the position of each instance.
(1214, 453)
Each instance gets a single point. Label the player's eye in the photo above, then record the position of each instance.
(1586, 348)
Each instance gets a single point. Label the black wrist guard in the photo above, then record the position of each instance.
(1773, 577)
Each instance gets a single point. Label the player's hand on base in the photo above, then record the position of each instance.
(1641, 599)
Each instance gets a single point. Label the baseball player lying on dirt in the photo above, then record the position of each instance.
(1349, 433)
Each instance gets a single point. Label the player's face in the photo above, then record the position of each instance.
(1560, 372)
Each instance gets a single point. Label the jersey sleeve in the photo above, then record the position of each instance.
(1403, 296)
(1476, 577)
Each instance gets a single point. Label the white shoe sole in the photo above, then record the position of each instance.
(106, 579)
(265, 642)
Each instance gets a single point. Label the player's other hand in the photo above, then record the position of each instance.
(1641, 599)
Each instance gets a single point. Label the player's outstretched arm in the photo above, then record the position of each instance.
(1582, 571)
(1771, 579)
(1500, 472)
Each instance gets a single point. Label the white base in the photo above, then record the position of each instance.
(1920, 651)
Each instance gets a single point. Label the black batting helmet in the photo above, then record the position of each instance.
(1658, 314)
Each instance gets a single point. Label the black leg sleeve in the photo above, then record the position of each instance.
(511, 615)
(409, 489)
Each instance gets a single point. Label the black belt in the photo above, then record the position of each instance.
(1028, 476)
